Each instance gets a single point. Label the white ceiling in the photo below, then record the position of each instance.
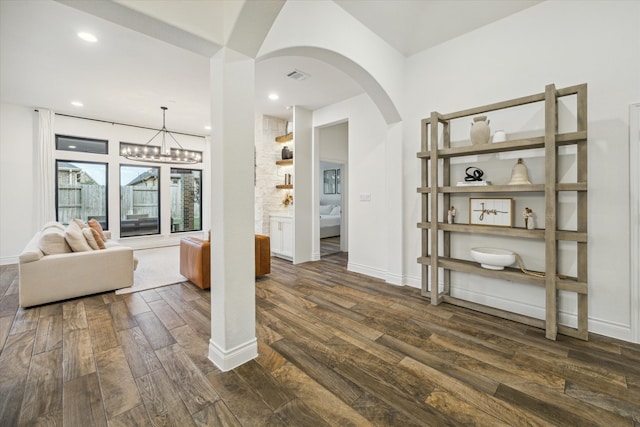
(126, 76)
(411, 26)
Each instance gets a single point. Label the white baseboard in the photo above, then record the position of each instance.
(597, 326)
(611, 329)
(413, 281)
(369, 271)
(227, 360)
(499, 302)
(394, 279)
(391, 278)
(315, 256)
(8, 260)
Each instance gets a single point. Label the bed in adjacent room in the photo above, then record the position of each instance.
(329, 221)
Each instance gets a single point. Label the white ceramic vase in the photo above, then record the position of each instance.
(480, 130)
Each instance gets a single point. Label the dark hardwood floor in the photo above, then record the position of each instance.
(336, 348)
(329, 246)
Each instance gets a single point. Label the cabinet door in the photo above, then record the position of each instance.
(275, 236)
(286, 230)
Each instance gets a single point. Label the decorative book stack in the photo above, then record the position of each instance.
(463, 183)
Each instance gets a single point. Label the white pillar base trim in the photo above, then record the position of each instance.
(230, 359)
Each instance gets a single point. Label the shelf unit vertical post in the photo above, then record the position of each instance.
(583, 306)
(446, 203)
(424, 202)
(550, 223)
(433, 141)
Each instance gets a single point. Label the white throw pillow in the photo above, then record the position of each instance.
(53, 224)
(80, 223)
(325, 209)
(75, 238)
(52, 242)
(88, 235)
(335, 211)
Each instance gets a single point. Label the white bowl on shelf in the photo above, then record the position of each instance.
(493, 258)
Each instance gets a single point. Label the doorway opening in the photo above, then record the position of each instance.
(330, 207)
(333, 185)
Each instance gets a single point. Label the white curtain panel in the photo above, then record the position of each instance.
(45, 187)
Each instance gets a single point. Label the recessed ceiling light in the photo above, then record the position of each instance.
(207, 128)
(88, 37)
(274, 96)
(77, 104)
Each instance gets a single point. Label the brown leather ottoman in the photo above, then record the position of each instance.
(195, 255)
(195, 259)
(263, 255)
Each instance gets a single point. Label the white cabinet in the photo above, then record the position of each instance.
(281, 230)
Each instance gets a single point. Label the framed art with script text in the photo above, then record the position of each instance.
(496, 212)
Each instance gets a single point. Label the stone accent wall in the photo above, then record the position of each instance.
(268, 199)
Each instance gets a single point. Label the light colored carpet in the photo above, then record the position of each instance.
(156, 267)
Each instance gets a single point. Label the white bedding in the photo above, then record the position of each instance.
(329, 220)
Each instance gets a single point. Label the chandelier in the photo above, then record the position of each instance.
(162, 154)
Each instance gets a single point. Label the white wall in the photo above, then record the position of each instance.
(367, 227)
(116, 134)
(18, 127)
(564, 43)
(301, 29)
(19, 132)
(303, 206)
(334, 143)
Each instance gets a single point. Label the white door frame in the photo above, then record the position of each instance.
(634, 215)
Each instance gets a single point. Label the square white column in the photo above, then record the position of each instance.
(233, 329)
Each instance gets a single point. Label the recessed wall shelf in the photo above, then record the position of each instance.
(285, 138)
(285, 186)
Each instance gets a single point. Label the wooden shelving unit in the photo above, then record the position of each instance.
(285, 138)
(435, 168)
(288, 162)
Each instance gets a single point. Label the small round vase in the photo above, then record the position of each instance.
(499, 136)
(480, 130)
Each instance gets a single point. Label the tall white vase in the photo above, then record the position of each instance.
(480, 130)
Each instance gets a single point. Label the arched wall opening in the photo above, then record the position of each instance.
(376, 200)
(368, 83)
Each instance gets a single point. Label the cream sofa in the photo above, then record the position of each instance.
(55, 277)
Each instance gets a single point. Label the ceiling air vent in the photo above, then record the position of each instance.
(298, 75)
